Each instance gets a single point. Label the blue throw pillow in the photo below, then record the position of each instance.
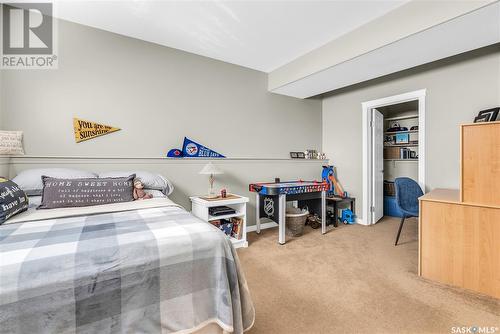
(12, 200)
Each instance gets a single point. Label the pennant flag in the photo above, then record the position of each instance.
(195, 150)
(85, 130)
(175, 153)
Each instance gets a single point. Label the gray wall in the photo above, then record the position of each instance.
(238, 173)
(457, 88)
(4, 166)
(157, 95)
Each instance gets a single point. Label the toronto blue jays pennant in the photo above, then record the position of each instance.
(192, 149)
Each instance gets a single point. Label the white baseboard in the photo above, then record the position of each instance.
(263, 226)
(360, 221)
(272, 224)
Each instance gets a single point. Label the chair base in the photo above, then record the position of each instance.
(401, 227)
(399, 230)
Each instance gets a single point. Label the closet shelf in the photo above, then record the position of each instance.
(401, 117)
(412, 160)
(396, 132)
(402, 145)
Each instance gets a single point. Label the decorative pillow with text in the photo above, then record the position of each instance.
(65, 193)
(12, 200)
(11, 143)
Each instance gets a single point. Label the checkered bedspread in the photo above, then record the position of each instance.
(156, 270)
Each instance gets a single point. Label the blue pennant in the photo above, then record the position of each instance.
(192, 149)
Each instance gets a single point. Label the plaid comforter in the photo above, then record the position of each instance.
(155, 270)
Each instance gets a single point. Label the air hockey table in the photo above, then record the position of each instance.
(271, 201)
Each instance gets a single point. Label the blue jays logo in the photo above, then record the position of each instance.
(268, 206)
(191, 149)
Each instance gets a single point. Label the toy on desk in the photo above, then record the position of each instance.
(335, 189)
(347, 217)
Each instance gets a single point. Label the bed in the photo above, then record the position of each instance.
(138, 267)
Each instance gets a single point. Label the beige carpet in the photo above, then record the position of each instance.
(353, 280)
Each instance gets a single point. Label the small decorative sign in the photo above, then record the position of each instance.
(85, 130)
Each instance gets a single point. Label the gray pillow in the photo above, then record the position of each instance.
(149, 180)
(31, 180)
(64, 193)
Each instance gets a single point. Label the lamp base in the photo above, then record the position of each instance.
(211, 196)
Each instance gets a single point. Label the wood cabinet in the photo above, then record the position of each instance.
(460, 242)
(480, 163)
(459, 230)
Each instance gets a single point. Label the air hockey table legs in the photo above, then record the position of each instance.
(282, 216)
(323, 212)
(257, 213)
(282, 219)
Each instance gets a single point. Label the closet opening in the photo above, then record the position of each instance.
(393, 147)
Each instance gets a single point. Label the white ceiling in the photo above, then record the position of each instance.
(262, 35)
(467, 32)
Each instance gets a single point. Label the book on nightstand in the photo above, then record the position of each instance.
(237, 227)
(224, 225)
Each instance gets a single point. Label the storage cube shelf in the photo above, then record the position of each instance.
(401, 148)
(237, 214)
(200, 208)
(399, 145)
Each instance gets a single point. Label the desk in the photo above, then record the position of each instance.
(459, 242)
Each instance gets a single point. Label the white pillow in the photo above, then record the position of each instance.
(31, 180)
(11, 142)
(149, 180)
(34, 201)
(155, 193)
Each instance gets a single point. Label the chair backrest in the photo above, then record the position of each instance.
(407, 194)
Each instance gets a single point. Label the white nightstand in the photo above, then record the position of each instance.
(239, 203)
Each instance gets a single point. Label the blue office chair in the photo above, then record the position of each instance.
(407, 194)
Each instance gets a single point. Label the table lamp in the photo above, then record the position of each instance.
(212, 170)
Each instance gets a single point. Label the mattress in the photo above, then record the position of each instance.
(139, 267)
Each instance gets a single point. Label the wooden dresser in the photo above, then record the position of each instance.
(459, 230)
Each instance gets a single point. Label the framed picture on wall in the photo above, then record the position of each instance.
(488, 115)
(482, 118)
(297, 155)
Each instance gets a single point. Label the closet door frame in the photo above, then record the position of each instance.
(367, 107)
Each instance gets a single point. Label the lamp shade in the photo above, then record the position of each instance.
(210, 169)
